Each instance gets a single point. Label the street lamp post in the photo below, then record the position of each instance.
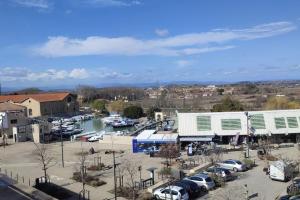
(62, 145)
(115, 181)
(248, 135)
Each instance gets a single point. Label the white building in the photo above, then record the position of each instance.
(204, 126)
(11, 115)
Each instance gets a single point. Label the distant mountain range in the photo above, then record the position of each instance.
(155, 84)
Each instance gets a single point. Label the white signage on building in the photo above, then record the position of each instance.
(3, 120)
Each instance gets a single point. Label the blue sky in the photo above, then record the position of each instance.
(50, 43)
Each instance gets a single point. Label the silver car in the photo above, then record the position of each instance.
(225, 174)
(234, 165)
(202, 180)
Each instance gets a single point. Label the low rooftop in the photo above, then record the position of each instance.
(43, 97)
(6, 106)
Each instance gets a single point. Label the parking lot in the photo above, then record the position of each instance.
(253, 183)
(19, 159)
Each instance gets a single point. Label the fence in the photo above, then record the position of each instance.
(84, 195)
(17, 178)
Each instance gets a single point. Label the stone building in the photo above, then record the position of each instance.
(45, 104)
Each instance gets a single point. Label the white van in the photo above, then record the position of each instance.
(280, 170)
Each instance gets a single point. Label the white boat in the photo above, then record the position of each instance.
(111, 119)
(95, 138)
(123, 123)
(74, 137)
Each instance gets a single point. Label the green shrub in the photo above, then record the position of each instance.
(133, 112)
(219, 181)
(249, 163)
(165, 171)
(145, 196)
(96, 167)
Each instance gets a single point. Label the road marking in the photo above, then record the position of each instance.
(20, 193)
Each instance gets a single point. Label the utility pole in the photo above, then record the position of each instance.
(115, 182)
(62, 145)
(248, 135)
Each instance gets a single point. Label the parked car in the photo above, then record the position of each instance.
(297, 197)
(191, 187)
(221, 172)
(284, 197)
(294, 188)
(150, 150)
(171, 192)
(194, 187)
(202, 180)
(234, 165)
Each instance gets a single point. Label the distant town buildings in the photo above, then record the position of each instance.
(186, 92)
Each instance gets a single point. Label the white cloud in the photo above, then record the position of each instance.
(192, 51)
(228, 73)
(17, 73)
(184, 63)
(112, 3)
(185, 44)
(162, 32)
(105, 73)
(41, 4)
(80, 73)
(26, 74)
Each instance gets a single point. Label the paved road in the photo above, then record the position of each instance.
(9, 193)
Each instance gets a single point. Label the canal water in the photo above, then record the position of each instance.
(97, 125)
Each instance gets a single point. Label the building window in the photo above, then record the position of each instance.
(14, 121)
(30, 112)
(258, 121)
(69, 99)
(279, 122)
(292, 122)
(231, 124)
(203, 123)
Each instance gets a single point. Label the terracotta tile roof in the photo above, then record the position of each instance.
(10, 107)
(43, 97)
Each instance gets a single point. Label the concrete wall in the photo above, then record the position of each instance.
(36, 133)
(125, 140)
(34, 106)
(68, 106)
(15, 119)
(22, 133)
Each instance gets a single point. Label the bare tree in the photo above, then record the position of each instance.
(131, 171)
(215, 156)
(43, 154)
(169, 152)
(82, 168)
(4, 140)
(121, 173)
